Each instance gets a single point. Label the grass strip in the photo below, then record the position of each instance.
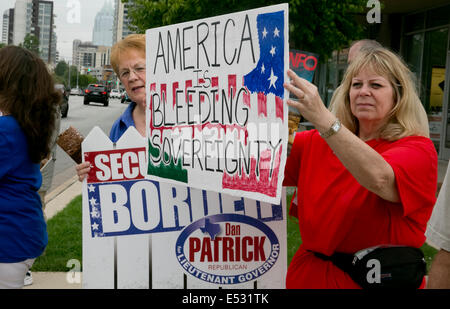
(64, 239)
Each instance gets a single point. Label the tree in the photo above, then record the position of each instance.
(31, 42)
(85, 79)
(61, 68)
(59, 79)
(318, 26)
(61, 75)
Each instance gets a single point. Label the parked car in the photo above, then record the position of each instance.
(65, 99)
(124, 98)
(96, 93)
(115, 93)
(76, 91)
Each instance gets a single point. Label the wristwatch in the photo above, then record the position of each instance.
(335, 127)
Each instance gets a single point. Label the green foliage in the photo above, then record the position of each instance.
(318, 26)
(58, 79)
(61, 68)
(429, 253)
(84, 80)
(322, 26)
(294, 238)
(61, 75)
(31, 42)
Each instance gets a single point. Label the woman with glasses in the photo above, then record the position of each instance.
(128, 62)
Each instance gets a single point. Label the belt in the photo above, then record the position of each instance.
(340, 260)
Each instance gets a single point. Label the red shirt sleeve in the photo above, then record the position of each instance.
(414, 161)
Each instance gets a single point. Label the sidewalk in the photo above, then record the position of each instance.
(53, 280)
(62, 195)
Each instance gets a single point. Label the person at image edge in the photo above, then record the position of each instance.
(28, 104)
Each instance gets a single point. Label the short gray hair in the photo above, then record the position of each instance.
(366, 44)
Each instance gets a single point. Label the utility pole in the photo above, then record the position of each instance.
(69, 74)
(78, 70)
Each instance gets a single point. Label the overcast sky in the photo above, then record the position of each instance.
(74, 20)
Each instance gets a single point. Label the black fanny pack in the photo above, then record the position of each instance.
(382, 266)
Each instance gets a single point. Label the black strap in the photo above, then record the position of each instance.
(340, 260)
(404, 265)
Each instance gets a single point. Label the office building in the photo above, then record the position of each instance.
(34, 17)
(121, 21)
(92, 59)
(5, 27)
(103, 27)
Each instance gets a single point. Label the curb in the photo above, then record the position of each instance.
(60, 189)
(58, 198)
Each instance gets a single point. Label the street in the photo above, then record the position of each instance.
(83, 118)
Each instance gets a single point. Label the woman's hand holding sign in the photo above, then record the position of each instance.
(309, 103)
(83, 170)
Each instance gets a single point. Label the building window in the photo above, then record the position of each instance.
(438, 17)
(335, 70)
(414, 22)
(425, 44)
(433, 69)
(414, 45)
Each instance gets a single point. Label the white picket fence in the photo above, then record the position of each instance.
(147, 261)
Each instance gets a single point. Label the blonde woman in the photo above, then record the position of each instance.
(366, 176)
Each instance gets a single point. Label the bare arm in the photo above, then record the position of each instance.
(439, 276)
(367, 166)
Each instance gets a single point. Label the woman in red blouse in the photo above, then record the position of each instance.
(367, 175)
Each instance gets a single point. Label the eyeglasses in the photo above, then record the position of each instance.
(139, 70)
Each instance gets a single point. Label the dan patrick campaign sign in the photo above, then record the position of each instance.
(200, 238)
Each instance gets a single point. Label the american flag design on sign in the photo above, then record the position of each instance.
(268, 76)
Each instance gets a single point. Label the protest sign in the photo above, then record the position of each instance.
(217, 113)
(303, 63)
(203, 238)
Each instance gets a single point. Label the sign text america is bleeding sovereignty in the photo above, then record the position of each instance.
(217, 118)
